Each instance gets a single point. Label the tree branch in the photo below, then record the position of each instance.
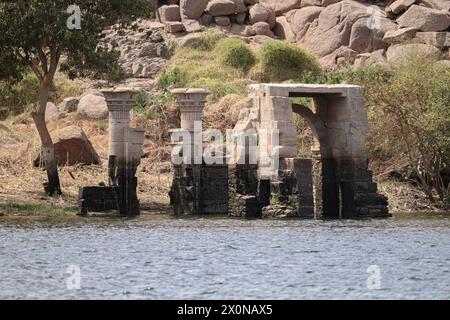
(26, 60)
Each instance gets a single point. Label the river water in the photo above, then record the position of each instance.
(405, 257)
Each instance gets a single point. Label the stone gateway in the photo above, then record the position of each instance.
(334, 183)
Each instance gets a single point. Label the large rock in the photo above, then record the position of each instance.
(222, 21)
(261, 13)
(444, 63)
(437, 39)
(174, 27)
(333, 27)
(437, 4)
(259, 29)
(221, 7)
(72, 147)
(344, 24)
(399, 36)
(191, 25)
(51, 112)
(424, 19)
(299, 19)
(239, 6)
(70, 104)
(192, 9)
(372, 58)
(283, 30)
(342, 57)
(400, 5)
(281, 7)
(366, 37)
(323, 3)
(169, 13)
(93, 106)
(396, 53)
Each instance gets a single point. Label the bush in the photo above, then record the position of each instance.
(19, 97)
(235, 53)
(170, 78)
(408, 106)
(281, 61)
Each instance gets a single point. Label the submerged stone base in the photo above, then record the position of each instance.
(200, 189)
(106, 199)
(298, 191)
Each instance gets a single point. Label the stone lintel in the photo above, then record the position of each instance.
(303, 90)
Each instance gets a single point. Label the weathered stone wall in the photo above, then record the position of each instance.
(200, 189)
(335, 183)
(343, 185)
(243, 191)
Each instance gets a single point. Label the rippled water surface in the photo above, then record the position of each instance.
(166, 258)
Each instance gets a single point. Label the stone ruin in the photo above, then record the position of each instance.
(125, 152)
(334, 183)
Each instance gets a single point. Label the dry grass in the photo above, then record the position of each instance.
(21, 183)
(404, 197)
(224, 114)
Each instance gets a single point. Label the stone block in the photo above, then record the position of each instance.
(169, 13)
(174, 27)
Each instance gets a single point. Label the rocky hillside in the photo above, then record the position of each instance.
(338, 32)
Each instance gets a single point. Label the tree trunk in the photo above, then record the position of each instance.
(52, 187)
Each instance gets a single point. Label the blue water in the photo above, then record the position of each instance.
(167, 258)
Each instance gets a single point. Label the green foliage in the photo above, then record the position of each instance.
(281, 61)
(207, 40)
(18, 97)
(36, 209)
(34, 33)
(140, 102)
(170, 78)
(196, 67)
(235, 53)
(409, 109)
(101, 126)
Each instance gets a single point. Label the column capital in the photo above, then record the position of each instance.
(120, 99)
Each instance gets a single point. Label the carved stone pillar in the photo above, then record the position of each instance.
(125, 150)
(186, 192)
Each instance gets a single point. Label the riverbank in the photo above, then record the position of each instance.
(22, 194)
(30, 200)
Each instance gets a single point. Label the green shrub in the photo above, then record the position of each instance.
(281, 61)
(235, 53)
(19, 97)
(170, 78)
(140, 102)
(408, 105)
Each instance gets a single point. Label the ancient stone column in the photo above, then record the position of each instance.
(119, 105)
(122, 169)
(186, 191)
(191, 103)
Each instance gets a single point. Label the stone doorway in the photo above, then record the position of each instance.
(335, 182)
(343, 184)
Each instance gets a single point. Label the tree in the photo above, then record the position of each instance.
(38, 34)
(409, 110)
